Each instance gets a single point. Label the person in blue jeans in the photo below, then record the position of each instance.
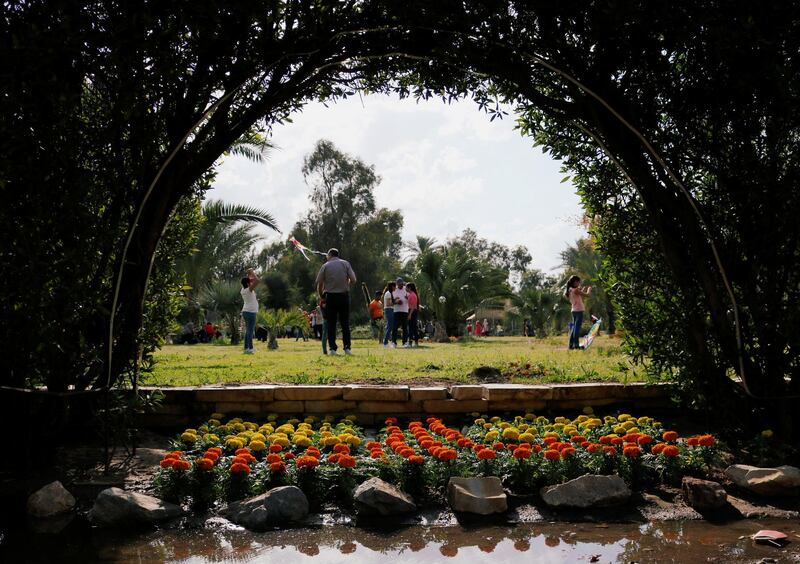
(249, 309)
(388, 312)
(575, 295)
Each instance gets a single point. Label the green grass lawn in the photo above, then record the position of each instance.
(524, 360)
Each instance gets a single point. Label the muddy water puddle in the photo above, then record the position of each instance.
(218, 541)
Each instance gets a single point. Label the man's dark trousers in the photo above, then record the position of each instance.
(337, 306)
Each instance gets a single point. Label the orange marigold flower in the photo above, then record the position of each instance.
(657, 448)
(552, 454)
(334, 458)
(204, 463)
(537, 448)
(211, 455)
(347, 461)
(670, 436)
(391, 421)
(289, 455)
(670, 450)
(277, 467)
(585, 444)
(498, 446)
(394, 430)
(313, 451)
(567, 452)
(632, 451)
(522, 453)
(478, 448)
(706, 440)
(167, 462)
(341, 448)
(486, 454)
(609, 451)
(447, 454)
(645, 439)
(617, 441)
(692, 441)
(239, 468)
(307, 462)
(274, 448)
(605, 439)
(594, 447)
(578, 439)
(216, 450)
(631, 437)
(174, 455)
(426, 443)
(549, 440)
(416, 459)
(462, 442)
(272, 458)
(372, 445)
(243, 450)
(376, 453)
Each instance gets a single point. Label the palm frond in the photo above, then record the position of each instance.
(217, 211)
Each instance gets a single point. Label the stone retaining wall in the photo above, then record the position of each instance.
(185, 406)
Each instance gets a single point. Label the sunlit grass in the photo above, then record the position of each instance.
(524, 360)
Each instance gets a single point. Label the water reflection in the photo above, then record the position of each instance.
(217, 541)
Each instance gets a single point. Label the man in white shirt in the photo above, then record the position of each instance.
(333, 285)
(249, 309)
(401, 312)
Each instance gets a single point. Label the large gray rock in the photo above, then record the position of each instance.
(376, 497)
(279, 506)
(53, 499)
(115, 507)
(703, 494)
(783, 480)
(587, 491)
(483, 496)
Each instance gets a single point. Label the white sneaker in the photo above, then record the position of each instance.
(248, 351)
(347, 352)
(386, 345)
(407, 346)
(332, 353)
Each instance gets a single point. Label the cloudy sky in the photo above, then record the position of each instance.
(446, 167)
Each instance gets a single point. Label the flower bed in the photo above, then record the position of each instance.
(326, 458)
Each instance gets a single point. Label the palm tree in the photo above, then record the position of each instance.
(224, 298)
(224, 243)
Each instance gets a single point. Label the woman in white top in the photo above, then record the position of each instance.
(388, 311)
(249, 309)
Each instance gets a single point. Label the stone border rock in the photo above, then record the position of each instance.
(185, 405)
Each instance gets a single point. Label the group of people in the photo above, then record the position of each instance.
(397, 304)
(479, 329)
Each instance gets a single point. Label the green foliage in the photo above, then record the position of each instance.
(225, 299)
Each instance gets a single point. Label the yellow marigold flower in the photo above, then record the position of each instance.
(281, 441)
(214, 422)
(250, 426)
(527, 438)
(591, 424)
(530, 416)
(347, 431)
(524, 427)
(310, 419)
(474, 414)
(352, 440)
(511, 433)
(505, 425)
(192, 431)
(234, 442)
(245, 435)
(325, 434)
(558, 427)
(487, 425)
(293, 421)
(330, 441)
(302, 440)
(561, 420)
(624, 416)
(218, 416)
(272, 417)
(609, 419)
(766, 433)
(188, 437)
(518, 419)
(257, 437)
(480, 421)
(656, 424)
(628, 425)
(582, 418)
(235, 420)
(588, 410)
(551, 434)
(285, 428)
(352, 418)
(569, 429)
(643, 421)
(202, 429)
(542, 420)
(210, 438)
(238, 427)
(491, 436)
(329, 419)
(549, 427)
(634, 430)
(620, 429)
(257, 446)
(495, 419)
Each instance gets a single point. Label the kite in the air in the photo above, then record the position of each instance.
(593, 331)
(303, 249)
